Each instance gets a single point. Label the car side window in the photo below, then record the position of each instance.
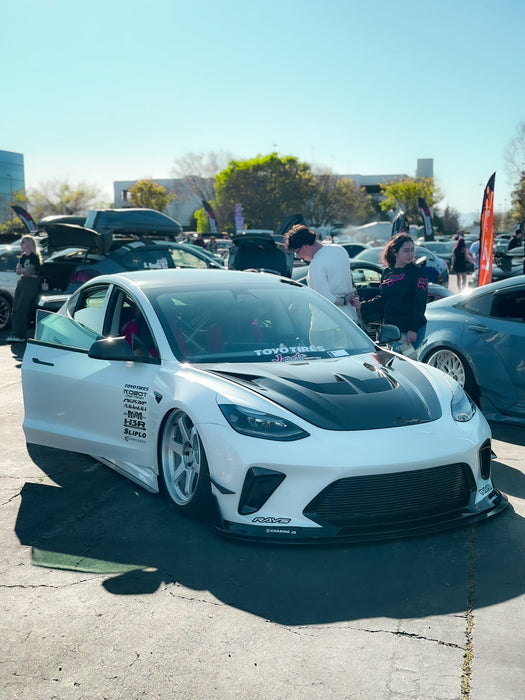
(129, 322)
(146, 259)
(509, 306)
(480, 305)
(90, 308)
(81, 326)
(183, 258)
(8, 261)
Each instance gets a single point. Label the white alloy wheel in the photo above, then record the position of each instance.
(183, 465)
(448, 362)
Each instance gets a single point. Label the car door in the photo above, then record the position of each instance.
(494, 335)
(101, 407)
(507, 316)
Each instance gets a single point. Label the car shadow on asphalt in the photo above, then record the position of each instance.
(88, 518)
(507, 432)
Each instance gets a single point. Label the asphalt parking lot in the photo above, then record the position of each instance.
(106, 593)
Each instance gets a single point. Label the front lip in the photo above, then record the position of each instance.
(286, 534)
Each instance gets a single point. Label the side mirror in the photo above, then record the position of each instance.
(388, 334)
(111, 349)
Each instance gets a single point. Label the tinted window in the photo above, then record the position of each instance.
(509, 306)
(183, 258)
(146, 259)
(129, 322)
(8, 261)
(480, 305)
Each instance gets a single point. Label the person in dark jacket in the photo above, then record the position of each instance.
(517, 239)
(403, 297)
(460, 262)
(28, 286)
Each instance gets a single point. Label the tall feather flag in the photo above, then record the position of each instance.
(239, 218)
(25, 218)
(427, 219)
(486, 227)
(399, 223)
(211, 216)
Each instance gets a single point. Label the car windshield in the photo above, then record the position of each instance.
(263, 324)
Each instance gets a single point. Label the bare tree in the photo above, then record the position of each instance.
(337, 199)
(196, 172)
(515, 155)
(60, 197)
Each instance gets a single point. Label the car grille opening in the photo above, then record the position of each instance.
(392, 500)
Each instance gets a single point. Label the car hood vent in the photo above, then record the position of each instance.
(346, 394)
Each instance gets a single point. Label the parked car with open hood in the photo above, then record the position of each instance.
(120, 242)
(262, 251)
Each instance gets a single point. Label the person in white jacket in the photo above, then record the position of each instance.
(329, 269)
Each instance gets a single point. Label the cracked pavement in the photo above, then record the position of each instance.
(106, 593)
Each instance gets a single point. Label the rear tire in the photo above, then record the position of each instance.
(184, 467)
(453, 364)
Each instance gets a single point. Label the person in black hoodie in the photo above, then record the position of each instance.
(403, 297)
(28, 285)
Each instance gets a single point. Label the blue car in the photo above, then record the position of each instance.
(435, 268)
(479, 339)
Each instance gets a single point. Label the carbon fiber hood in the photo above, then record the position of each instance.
(364, 392)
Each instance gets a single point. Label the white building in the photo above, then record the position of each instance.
(12, 180)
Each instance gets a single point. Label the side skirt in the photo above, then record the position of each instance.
(143, 476)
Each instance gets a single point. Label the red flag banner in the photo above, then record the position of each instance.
(486, 233)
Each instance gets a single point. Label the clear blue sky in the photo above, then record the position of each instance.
(119, 89)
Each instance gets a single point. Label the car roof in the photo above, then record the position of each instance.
(197, 278)
(500, 284)
(473, 292)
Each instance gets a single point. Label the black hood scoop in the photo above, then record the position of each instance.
(344, 393)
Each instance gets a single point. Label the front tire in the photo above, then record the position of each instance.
(453, 364)
(184, 467)
(6, 307)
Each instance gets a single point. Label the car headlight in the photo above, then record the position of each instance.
(461, 406)
(248, 421)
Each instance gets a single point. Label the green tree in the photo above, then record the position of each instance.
(55, 197)
(148, 194)
(338, 199)
(403, 194)
(270, 188)
(202, 223)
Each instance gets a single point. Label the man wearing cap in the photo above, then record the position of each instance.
(516, 240)
(329, 269)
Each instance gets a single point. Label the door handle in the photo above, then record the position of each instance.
(40, 362)
(477, 328)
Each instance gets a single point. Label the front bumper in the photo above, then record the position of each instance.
(277, 530)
